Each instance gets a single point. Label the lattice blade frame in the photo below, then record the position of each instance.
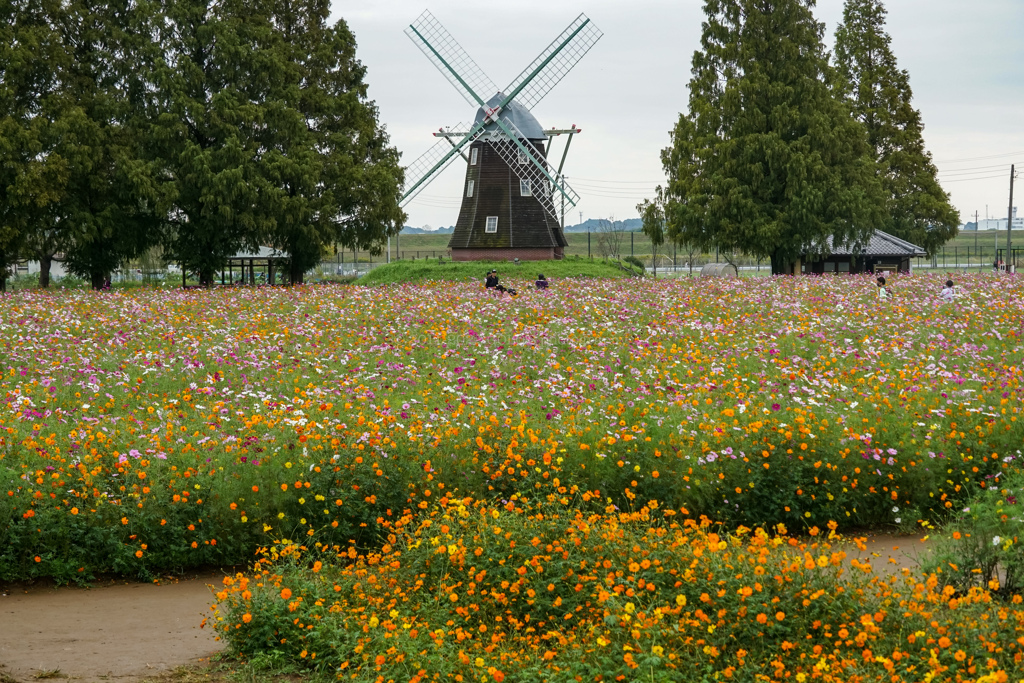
(451, 60)
(557, 59)
(428, 165)
(508, 142)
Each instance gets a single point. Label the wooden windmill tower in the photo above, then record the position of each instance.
(511, 195)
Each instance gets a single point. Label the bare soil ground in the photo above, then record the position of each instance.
(122, 632)
(133, 632)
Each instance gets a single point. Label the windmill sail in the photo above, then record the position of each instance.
(432, 162)
(511, 145)
(451, 60)
(551, 65)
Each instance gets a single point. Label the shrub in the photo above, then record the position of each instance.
(984, 544)
(552, 592)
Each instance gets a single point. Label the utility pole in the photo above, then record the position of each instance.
(1009, 220)
(977, 227)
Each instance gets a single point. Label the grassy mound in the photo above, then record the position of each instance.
(516, 275)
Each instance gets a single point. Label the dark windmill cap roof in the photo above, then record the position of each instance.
(519, 115)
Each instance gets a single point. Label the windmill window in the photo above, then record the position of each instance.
(492, 224)
(469, 188)
(524, 188)
(472, 157)
(522, 157)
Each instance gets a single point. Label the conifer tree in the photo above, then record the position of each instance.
(29, 175)
(208, 79)
(329, 176)
(266, 135)
(106, 213)
(76, 183)
(767, 160)
(879, 94)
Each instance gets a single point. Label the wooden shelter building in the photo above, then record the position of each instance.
(882, 252)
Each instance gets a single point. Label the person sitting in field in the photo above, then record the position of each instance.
(883, 291)
(948, 292)
(541, 282)
(491, 281)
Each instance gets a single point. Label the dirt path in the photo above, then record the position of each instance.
(888, 554)
(119, 632)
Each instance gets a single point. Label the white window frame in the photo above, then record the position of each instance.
(473, 156)
(469, 188)
(524, 188)
(522, 158)
(491, 226)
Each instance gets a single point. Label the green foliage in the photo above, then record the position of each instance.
(634, 261)
(767, 161)
(879, 94)
(296, 159)
(327, 173)
(207, 82)
(985, 543)
(79, 185)
(652, 213)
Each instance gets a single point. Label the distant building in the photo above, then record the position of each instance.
(1000, 223)
(882, 252)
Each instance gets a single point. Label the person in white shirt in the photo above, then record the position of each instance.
(948, 293)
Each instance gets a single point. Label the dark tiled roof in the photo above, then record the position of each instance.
(880, 244)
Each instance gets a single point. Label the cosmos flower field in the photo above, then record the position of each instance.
(146, 432)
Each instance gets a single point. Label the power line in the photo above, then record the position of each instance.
(619, 182)
(967, 180)
(992, 156)
(974, 169)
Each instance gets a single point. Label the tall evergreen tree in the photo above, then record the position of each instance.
(107, 211)
(328, 174)
(76, 182)
(879, 94)
(30, 176)
(767, 160)
(208, 80)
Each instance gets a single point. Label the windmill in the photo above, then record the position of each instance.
(511, 194)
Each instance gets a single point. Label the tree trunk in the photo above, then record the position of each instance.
(97, 280)
(295, 274)
(206, 277)
(780, 265)
(45, 260)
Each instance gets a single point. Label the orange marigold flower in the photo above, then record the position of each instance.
(944, 642)
(779, 616)
(246, 617)
(286, 593)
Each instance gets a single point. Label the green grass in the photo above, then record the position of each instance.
(475, 271)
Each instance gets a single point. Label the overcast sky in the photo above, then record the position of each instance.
(965, 59)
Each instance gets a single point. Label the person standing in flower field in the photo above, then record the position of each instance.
(883, 291)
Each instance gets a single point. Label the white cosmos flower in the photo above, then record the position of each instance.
(996, 540)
